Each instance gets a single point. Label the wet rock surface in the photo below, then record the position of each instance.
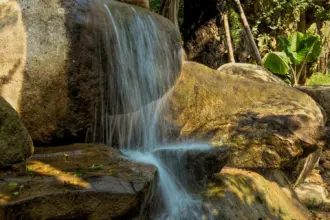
(81, 181)
(198, 165)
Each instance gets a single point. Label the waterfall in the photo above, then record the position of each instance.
(138, 62)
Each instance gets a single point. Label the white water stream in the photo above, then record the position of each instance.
(140, 59)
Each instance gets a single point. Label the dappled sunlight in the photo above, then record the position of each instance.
(4, 198)
(62, 176)
(13, 53)
(245, 193)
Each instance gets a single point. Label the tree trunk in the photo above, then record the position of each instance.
(302, 22)
(231, 56)
(170, 9)
(249, 33)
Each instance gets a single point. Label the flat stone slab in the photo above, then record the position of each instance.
(80, 181)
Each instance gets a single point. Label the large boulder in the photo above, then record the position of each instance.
(62, 63)
(242, 194)
(80, 181)
(267, 125)
(15, 142)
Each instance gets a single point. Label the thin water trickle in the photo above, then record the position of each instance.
(139, 66)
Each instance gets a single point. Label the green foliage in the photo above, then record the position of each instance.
(277, 62)
(299, 47)
(319, 79)
(78, 173)
(235, 27)
(297, 50)
(97, 167)
(281, 16)
(155, 5)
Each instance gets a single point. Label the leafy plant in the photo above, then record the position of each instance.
(297, 50)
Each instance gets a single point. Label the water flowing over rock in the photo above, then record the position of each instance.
(15, 142)
(61, 70)
(81, 181)
(267, 124)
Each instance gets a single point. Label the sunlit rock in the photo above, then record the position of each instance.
(245, 195)
(267, 125)
(313, 193)
(250, 71)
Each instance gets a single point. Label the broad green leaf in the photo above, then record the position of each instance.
(299, 47)
(296, 50)
(314, 48)
(277, 62)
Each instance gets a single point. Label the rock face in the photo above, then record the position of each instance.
(267, 125)
(241, 194)
(76, 182)
(195, 166)
(251, 71)
(58, 62)
(15, 142)
(321, 94)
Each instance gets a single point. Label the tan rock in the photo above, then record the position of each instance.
(267, 125)
(245, 195)
(251, 71)
(55, 62)
(312, 192)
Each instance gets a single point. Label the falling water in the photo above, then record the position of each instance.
(139, 60)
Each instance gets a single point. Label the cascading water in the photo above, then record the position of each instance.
(138, 62)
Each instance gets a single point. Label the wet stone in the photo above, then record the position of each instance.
(80, 181)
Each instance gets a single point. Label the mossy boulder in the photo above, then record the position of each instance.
(267, 125)
(79, 181)
(15, 142)
(241, 194)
